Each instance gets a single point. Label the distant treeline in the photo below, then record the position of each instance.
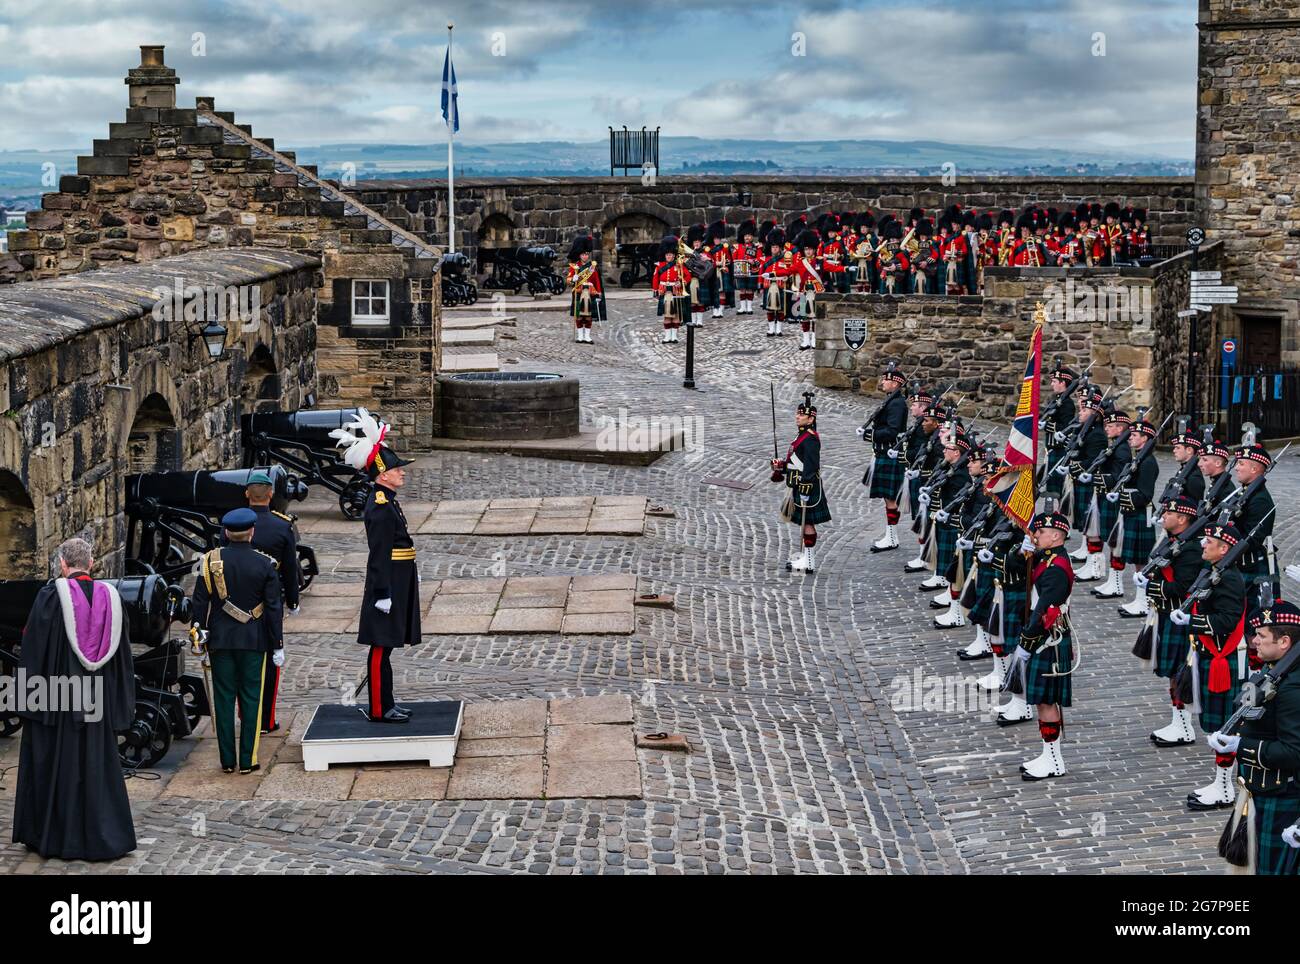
(726, 166)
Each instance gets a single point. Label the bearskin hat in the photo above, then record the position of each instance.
(1067, 221)
(807, 239)
(1126, 216)
(717, 231)
(695, 233)
(776, 236)
(984, 222)
(891, 230)
(1006, 216)
(582, 244)
(746, 227)
(1095, 211)
(866, 222)
(667, 246)
(915, 215)
(764, 229)
(794, 227)
(924, 228)
(1027, 221)
(1140, 215)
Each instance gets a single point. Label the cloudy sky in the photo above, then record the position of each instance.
(1100, 74)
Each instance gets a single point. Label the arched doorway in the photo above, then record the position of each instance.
(497, 231)
(260, 391)
(153, 444)
(17, 531)
(628, 245)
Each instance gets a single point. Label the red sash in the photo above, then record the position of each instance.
(1053, 613)
(1220, 674)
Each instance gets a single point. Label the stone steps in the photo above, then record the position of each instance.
(450, 323)
(475, 362)
(470, 336)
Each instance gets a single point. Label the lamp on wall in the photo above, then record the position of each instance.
(744, 199)
(214, 339)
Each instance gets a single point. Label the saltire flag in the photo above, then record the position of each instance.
(1012, 486)
(450, 110)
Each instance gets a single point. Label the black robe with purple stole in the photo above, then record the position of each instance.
(71, 799)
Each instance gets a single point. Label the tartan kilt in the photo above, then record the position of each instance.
(1041, 688)
(1107, 517)
(1172, 641)
(982, 607)
(815, 515)
(1139, 539)
(1013, 615)
(945, 544)
(1053, 484)
(1215, 707)
(1082, 500)
(1274, 812)
(887, 478)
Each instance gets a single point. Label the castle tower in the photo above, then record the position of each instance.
(1247, 170)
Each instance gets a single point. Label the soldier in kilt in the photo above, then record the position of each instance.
(1044, 660)
(917, 443)
(1135, 494)
(1006, 560)
(945, 526)
(1254, 518)
(967, 513)
(980, 521)
(1217, 658)
(1060, 414)
(884, 432)
(1166, 588)
(1090, 443)
(1187, 479)
(1268, 757)
(1102, 521)
(806, 504)
(919, 472)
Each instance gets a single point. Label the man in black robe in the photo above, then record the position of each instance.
(71, 800)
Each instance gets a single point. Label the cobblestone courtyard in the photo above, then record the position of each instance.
(782, 683)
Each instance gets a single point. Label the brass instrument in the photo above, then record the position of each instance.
(584, 276)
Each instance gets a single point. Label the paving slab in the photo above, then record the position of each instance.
(499, 719)
(598, 624)
(593, 779)
(444, 624)
(590, 741)
(289, 781)
(612, 708)
(529, 585)
(568, 525)
(600, 583)
(603, 601)
(414, 782)
(501, 746)
(464, 604)
(536, 600)
(448, 525)
(203, 780)
(527, 621)
(496, 778)
(450, 586)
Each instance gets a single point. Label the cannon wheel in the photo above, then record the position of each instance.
(304, 577)
(146, 741)
(473, 293)
(193, 697)
(353, 498)
(627, 277)
(9, 724)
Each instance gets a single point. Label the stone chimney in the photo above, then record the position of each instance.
(153, 83)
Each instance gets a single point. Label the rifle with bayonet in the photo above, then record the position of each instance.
(1113, 493)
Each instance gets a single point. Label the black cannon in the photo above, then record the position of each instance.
(638, 261)
(171, 512)
(300, 441)
(458, 288)
(169, 702)
(514, 269)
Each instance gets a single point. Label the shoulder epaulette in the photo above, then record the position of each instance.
(275, 562)
(286, 518)
(381, 499)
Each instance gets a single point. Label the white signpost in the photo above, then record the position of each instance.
(1207, 290)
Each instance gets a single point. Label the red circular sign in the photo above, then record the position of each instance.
(1229, 346)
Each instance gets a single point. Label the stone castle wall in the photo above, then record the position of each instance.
(93, 386)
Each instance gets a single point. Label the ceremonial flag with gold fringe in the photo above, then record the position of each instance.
(1012, 486)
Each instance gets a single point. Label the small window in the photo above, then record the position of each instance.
(370, 302)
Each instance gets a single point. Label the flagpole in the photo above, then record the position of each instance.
(451, 169)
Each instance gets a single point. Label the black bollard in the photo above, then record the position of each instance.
(689, 380)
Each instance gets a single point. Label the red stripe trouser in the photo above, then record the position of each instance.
(380, 685)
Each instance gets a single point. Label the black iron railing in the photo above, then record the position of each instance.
(630, 150)
(1270, 398)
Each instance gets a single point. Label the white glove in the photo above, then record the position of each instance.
(1140, 580)
(1026, 544)
(1179, 618)
(277, 656)
(923, 498)
(385, 606)
(1061, 468)
(911, 474)
(417, 575)
(941, 516)
(1291, 836)
(892, 453)
(1222, 743)
(1112, 496)
(1058, 437)
(293, 610)
(862, 430)
(965, 545)
(1086, 478)
(985, 556)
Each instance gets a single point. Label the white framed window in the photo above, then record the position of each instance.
(369, 302)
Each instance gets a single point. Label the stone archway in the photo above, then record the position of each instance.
(260, 389)
(153, 443)
(17, 531)
(627, 238)
(497, 231)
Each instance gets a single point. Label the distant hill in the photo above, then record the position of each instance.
(21, 171)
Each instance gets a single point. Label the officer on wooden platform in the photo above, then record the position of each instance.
(390, 606)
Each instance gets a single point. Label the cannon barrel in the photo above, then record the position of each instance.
(456, 263)
(149, 603)
(537, 257)
(311, 426)
(212, 492)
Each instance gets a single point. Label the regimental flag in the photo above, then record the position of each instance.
(1012, 487)
(450, 110)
